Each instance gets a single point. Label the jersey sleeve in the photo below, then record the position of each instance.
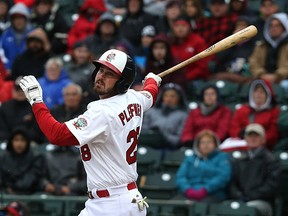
(88, 126)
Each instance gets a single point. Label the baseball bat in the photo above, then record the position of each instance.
(223, 44)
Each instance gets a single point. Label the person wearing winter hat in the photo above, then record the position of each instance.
(249, 183)
(13, 40)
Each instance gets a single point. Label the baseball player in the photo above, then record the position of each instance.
(106, 134)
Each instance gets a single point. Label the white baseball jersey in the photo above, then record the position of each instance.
(108, 135)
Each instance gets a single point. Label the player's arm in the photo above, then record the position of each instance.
(151, 83)
(57, 133)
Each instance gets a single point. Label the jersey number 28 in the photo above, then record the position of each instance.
(131, 153)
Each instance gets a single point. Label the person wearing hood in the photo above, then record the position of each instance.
(13, 39)
(45, 15)
(54, 80)
(21, 168)
(204, 175)
(166, 119)
(269, 57)
(36, 54)
(160, 58)
(89, 14)
(262, 108)
(210, 114)
(134, 20)
(105, 36)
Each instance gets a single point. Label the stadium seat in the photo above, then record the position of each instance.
(148, 160)
(160, 185)
(172, 159)
(228, 90)
(231, 208)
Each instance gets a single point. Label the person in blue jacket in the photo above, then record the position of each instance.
(53, 82)
(13, 39)
(204, 175)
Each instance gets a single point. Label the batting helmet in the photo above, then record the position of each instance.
(120, 63)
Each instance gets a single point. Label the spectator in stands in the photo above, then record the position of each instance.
(13, 39)
(21, 168)
(15, 208)
(256, 173)
(172, 11)
(134, 20)
(262, 109)
(6, 86)
(160, 58)
(232, 64)
(219, 25)
(6, 89)
(54, 80)
(210, 114)
(147, 35)
(4, 20)
(269, 58)
(266, 9)
(86, 24)
(16, 112)
(46, 16)
(186, 44)
(33, 59)
(166, 119)
(105, 36)
(241, 8)
(79, 69)
(193, 9)
(204, 175)
(68, 9)
(64, 172)
(73, 104)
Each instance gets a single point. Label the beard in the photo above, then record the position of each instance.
(100, 89)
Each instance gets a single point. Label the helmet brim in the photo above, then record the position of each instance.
(98, 63)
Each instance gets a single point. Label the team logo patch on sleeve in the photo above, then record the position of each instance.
(80, 123)
(146, 94)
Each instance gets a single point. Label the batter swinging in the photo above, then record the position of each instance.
(106, 134)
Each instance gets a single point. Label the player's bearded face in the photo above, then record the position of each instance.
(104, 84)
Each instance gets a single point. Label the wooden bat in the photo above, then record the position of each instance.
(224, 44)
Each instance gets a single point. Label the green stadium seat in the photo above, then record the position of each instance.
(172, 159)
(231, 208)
(148, 160)
(160, 185)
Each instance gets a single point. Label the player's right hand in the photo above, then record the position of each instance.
(31, 89)
(153, 76)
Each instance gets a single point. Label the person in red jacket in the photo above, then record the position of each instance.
(86, 23)
(6, 87)
(210, 114)
(186, 44)
(262, 109)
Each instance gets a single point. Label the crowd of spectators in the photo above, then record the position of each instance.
(56, 40)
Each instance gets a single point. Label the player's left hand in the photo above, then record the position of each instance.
(31, 89)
